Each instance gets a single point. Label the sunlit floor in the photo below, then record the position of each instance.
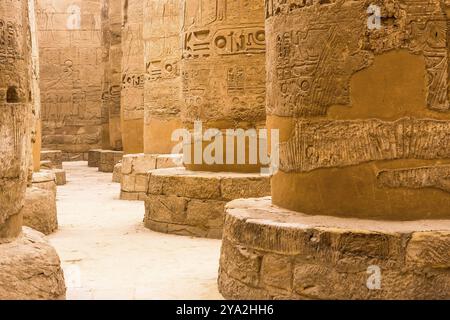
(107, 253)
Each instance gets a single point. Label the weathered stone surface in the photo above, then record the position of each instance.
(192, 202)
(135, 168)
(45, 179)
(60, 175)
(30, 269)
(112, 73)
(39, 211)
(274, 253)
(94, 157)
(70, 76)
(163, 79)
(54, 156)
(117, 173)
(132, 92)
(108, 159)
(366, 135)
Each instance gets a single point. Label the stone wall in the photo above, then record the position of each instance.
(162, 94)
(70, 73)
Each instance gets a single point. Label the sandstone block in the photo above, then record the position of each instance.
(39, 211)
(321, 257)
(30, 269)
(60, 175)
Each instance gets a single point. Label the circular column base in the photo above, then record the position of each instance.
(192, 203)
(39, 210)
(30, 269)
(273, 253)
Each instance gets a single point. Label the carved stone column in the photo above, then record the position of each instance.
(29, 266)
(361, 204)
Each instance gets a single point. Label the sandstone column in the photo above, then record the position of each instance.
(162, 95)
(223, 85)
(70, 76)
(223, 68)
(29, 266)
(362, 106)
(132, 93)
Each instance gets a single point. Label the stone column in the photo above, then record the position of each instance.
(223, 69)
(71, 76)
(132, 93)
(359, 92)
(114, 71)
(30, 267)
(223, 85)
(162, 94)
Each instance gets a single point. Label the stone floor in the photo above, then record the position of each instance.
(107, 253)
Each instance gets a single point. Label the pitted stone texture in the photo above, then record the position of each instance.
(135, 168)
(54, 156)
(117, 173)
(60, 175)
(30, 269)
(39, 211)
(94, 157)
(45, 179)
(70, 75)
(274, 253)
(108, 159)
(192, 202)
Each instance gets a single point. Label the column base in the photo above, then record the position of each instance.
(108, 159)
(117, 173)
(39, 210)
(30, 269)
(192, 203)
(135, 168)
(273, 253)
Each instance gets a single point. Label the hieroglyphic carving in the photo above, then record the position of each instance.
(223, 60)
(71, 75)
(15, 111)
(132, 61)
(326, 44)
(327, 143)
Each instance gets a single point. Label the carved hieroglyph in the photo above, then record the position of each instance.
(70, 74)
(162, 54)
(15, 112)
(132, 93)
(223, 64)
(112, 73)
(363, 111)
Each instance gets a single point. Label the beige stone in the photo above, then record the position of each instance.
(60, 175)
(70, 76)
(39, 211)
(54, 156)
(30, 269)
(192, 202)
(163, 77)
(108, 159)
(94, 157)
(29, 266)
(274, 253)
(45, 179)
(135, 168)
(117, 173)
